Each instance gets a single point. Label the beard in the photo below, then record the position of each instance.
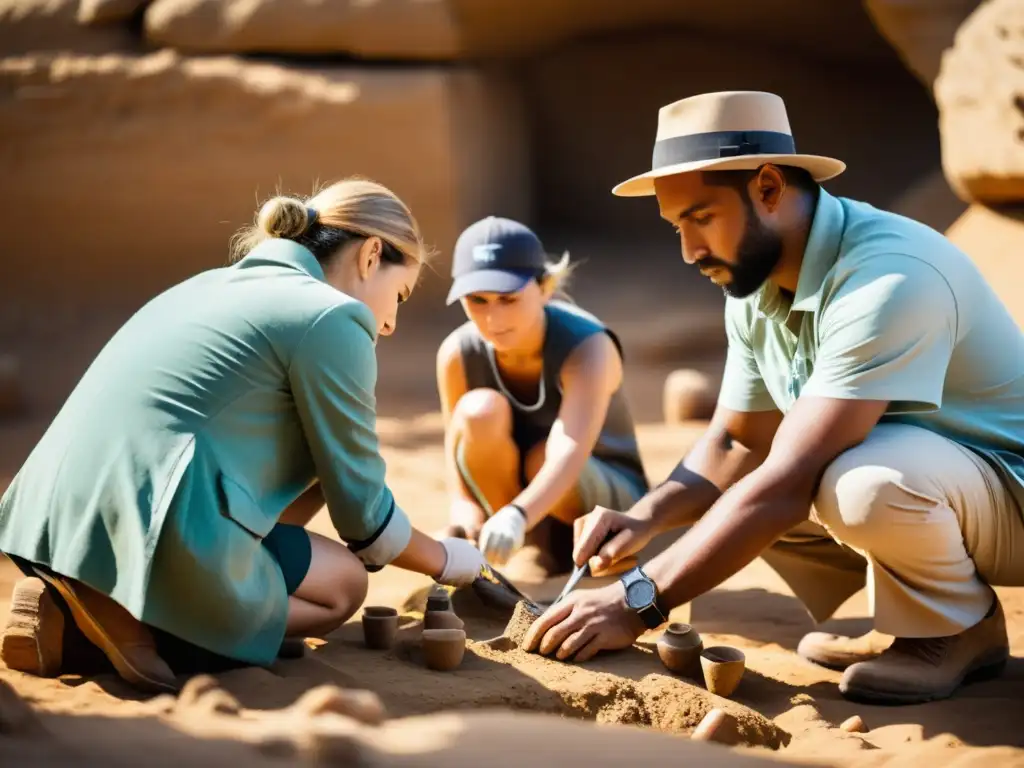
(758, 254)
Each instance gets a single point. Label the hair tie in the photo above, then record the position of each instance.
(311, 217)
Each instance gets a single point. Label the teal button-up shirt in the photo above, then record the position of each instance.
(201, 420)
(886, 309)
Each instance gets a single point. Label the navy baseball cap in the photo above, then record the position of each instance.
(495, 255)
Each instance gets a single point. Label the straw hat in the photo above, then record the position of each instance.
(731, 130)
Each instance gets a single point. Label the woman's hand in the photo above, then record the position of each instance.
(464, 563)
(503, 535)
(468, 516)
(622, 536)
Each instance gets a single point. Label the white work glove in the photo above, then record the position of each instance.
(464, 563)
(502, 535)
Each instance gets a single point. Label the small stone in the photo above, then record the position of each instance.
(364, 706)
(853, 725)
(717, 726)
(195, 689)
(688, 395)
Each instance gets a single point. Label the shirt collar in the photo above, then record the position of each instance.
(287, 253)
(820, 256)
(821, 252)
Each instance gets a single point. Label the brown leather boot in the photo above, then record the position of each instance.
(838, 651)
(124, 640)
(33, 640)
(915, 670)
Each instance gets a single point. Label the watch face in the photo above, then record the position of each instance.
(640, 594)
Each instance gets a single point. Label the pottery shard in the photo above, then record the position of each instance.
(980, 95)
(461, 29)
(920, 30)
(186, 146)
(51, 25)
(105, 11)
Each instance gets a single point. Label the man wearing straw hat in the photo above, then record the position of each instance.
(869, 429)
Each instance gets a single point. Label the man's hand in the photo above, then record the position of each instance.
(625, 536)
(584, 623)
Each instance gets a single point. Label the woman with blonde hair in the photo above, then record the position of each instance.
(169, 496)
(538, 431)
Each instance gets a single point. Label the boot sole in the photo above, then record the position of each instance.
(989, 667)
(98, 636)
(33, 639)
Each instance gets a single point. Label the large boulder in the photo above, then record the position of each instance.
(107, 11)
(124, 174)
(456, 29)
(920, 30)
(980, 95)
(995, 242)
(51, 25)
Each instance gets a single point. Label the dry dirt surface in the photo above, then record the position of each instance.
(496, 708)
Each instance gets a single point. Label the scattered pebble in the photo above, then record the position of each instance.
(853, 725)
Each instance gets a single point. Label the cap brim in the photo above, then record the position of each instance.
(488, 281)
(821, 168)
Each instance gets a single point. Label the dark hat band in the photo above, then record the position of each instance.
(716, 145)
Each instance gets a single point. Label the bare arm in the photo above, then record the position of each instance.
(451, 386)
(768, 501)
(734, 445)
(590, 376)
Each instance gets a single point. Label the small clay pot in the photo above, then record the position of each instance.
(380, 626)
(443, 649)
(679, 649)
(723, 668)
(439, 602)
(442, 620)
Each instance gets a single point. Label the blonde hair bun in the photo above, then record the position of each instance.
(283, 217)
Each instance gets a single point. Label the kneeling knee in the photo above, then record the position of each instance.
(483, 414)
(860, 502)
(352, 583)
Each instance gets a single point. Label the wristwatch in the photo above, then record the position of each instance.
(642, 597)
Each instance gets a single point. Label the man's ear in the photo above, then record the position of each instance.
(768, 187)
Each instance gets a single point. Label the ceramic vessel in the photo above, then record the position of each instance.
(442, 620)
(679, 649)
(443, 649)
(380, 626)
(723, 669)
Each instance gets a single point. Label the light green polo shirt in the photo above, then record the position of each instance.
(885, 308)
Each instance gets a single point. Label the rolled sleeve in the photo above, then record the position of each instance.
(333, 377)
(743, 388)
(887, 334)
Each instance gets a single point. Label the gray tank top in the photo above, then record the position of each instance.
(567, 327)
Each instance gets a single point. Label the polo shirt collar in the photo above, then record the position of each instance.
(821, 253)
(284, 253)
(820, 256)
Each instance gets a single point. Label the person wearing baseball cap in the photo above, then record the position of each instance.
(538, 431)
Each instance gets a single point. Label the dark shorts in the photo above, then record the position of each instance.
(291, 547)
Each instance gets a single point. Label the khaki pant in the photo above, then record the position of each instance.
(925, 522)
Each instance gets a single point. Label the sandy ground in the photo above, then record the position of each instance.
(503, 707)
(794, 704)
